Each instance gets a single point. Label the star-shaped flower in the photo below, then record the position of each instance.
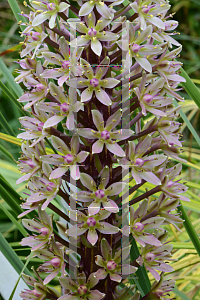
(68, 64)
(111, 262)
(66, 107)
(93, 34)
(99, 195)
(142, 166)
(91, 223)
(81, 288)
(94, 83)
(68, 159)
(48, 10)
(105, 134)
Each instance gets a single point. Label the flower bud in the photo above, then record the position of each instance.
(94, 82)
(44, 231)
(150, 256)
(56, 262)
(82, 290)
(92, 32)
(68, 158)
(105, 135)
(138, 227)
(64, 107)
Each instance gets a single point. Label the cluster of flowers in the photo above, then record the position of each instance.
(91, 73)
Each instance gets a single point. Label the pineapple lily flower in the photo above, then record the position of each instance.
(91, 223)
(67, 160)
(66, 106)
(137, 50)
(105, 135)
(150, 98)
(93, 34)
(153, 259)
(81, 288)
(48, 10)
(110, 263)
(55, 261)
(137, 227)
(35, 40)
(99, 195)
(40, 291)
(94, 83)
(68, 65)
(142, 167)
(149, 13)
(44, 228)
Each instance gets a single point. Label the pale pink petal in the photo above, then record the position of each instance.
(115, 277)
(115, 188)
(101, 274)
(95, 295)
(53, 121)
(86, 95)
(92, 236)
(93, 208)
(115, 149)
(97, 147)
(58, 172)
(111, 206)
(96, 46)
(150, 177)
(103, 97)
(128, 269)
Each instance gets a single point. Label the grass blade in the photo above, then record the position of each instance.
(190, 229)
(10, 79)
(20, 275)
(189, 125)
(11, 256)
(16, 10)
(7, 154)
(5, 125)
(191, 88)
(143, 283)
(8, 93)
(180, 294)
(14, 221)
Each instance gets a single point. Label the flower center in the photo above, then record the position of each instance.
(68, 158)
(91, 222)
(56, 262)
(139, 162)
(64, 107)
(40, 87)
(150, 256)
(40, 126)
(36, 36)
(105, 135)
(99, 194)
(92, 32)
(30, 163)
(65, 64)
(94, 82)
(51, 6)
(111, 265)
(138, 227)
(44, 231)
(50, 186)
(82, 290)
(145, 9)
(147, 98)
(135, 48)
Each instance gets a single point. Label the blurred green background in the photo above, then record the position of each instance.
(187, 270)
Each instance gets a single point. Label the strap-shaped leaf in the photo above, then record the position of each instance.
(10, 79)
(11, 256)
(11, 97)
(5, 125)
(7, 154)
(190, 229)
(143, 283)
(16, 10)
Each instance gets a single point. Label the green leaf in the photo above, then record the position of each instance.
(5, 125)
(11, 97)
(7, 154)
(189, 228)
(143, 283)
(180, 294)
(10, 79)
(189, 125)
(11, 197)
(16, 10)
(20, 275)
(11, 256)
(14, 220)
(191, 88)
